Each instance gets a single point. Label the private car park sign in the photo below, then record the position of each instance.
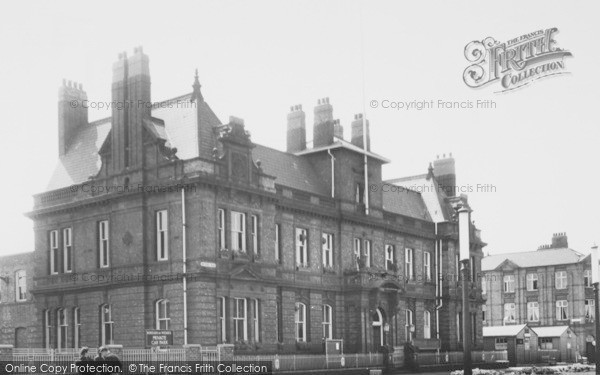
(156, 337)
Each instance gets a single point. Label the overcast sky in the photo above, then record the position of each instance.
(539, 147)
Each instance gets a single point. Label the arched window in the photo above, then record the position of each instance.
(20, 286)
(106, 325)
(61, 329)
(300, 319)
(163, 317)
(327, 322)
(67, 250)
(378, 327)
(426, 325)
(389, 257)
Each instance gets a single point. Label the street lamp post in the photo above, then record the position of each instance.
(596, 283)
(463, 238)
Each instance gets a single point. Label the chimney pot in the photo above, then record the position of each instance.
(296, 129)
(357, 132)
(70, 117)
(236, 120)
(559, 240)
(323, 128)
(445, 173)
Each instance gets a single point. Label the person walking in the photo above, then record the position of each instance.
(84, 363)
(101, 359)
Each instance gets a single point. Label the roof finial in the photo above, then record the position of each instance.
(196, 94)
(430, 171)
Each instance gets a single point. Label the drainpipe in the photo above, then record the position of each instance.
(332, 173)
(439, 282)
(437, 285)
(184, 249)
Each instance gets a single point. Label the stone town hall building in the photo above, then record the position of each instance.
(281, 249)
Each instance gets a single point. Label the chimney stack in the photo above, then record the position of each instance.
(296, 129)
(338, 129)
(131, 93)
(357, 132)
(559, 240)
(445, 174)
(323, 130)
(72, 113)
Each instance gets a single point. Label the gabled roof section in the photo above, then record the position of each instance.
(547, 257)
(289, 170)
(182, 122)
(433, 196)
(503, 331)
(175, 120)
(408, 203)
(553, 331)
(81, 160)
(244, 272)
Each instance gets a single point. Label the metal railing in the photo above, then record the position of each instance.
(209, 354)
(293, 362)
(150, 355)
(442, 358)
(47, 355)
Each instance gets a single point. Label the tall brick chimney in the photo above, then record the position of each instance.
(357, 132)
(338, 129)
(445, 174)
(559, 240)
(296, 129)
(323, 129)
(131, 93)
(72, 113)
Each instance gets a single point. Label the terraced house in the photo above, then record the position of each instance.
(163, 217)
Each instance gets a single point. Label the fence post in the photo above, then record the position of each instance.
(6, 353)
(225, 352)
(193, 352)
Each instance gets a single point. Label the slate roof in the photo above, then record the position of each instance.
(181, 121)
(82, 159)
(433, 195)
(177, 121)
(503, 331)
(290, 170)
(538, 258)
(406, 202)
(180, 129)
(554, 331)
